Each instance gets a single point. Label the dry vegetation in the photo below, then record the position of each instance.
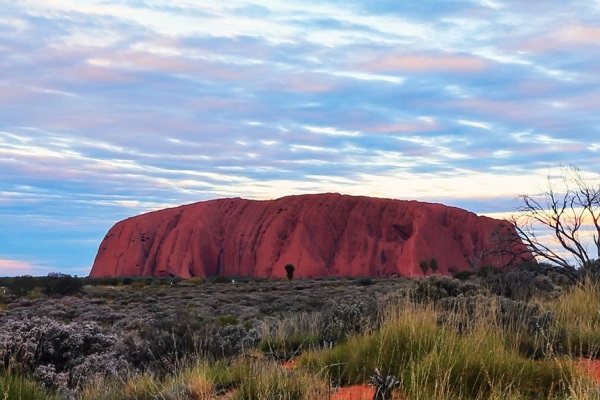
(488, 335)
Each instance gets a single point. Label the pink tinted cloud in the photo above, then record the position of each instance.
(563, 38)
(582, 34)
(514, 111)
(11, 94)
(304, 83)
(15, 267)
(424, 63)
(97, 74)
(403, 128)
(120, 67)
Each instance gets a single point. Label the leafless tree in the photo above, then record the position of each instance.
(561, 225)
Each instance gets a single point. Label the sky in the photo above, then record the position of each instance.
(109, 109)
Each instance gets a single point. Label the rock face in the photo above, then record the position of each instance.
(322, 235)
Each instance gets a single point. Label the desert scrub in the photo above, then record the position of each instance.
(60, 356)
(229, 341)
(525, 326)
(523, 283)
(284, 348)
(436, 287)
(288, 337)
(349, 315)
(223, 320)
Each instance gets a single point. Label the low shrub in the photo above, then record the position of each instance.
(363, 281)
(60, 356)
(61, 284)
(162, 343)
(436, 287)
(223, 320)
(521, 283)
(220, 279)
(464, 275)
(21, 285)
(230, 340)
(349, 315)
(289, 346)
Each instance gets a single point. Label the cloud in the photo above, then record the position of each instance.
(110, 110)
(426, 63)
(564, 37)
(18, 268)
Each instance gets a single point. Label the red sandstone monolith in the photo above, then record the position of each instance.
(320, 234)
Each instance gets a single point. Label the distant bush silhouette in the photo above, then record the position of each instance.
(289, 271)
(21, 285)
(62, 284)
(424, 265)
(464, 275)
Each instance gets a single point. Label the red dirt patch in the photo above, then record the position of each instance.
(359, 392)
(592, 368)
(356, 392)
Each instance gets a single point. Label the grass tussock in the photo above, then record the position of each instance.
(14, 386)
(440, 361)
(241, 379)
(578, 316)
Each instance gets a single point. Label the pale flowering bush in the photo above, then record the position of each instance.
(349, 315)
(60, 355)
(230, 340)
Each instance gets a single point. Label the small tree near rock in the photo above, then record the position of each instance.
(433, 264)
(424, 266)
(289, 271)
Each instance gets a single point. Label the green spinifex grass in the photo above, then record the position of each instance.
(578, 319)
(436, 361)
(16, 387)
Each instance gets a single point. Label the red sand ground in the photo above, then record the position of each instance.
(592, 367)
(359, 392)
(356, 392)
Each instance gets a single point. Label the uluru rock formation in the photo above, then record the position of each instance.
(321, 234)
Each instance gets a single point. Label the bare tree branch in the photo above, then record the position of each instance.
(567, 211)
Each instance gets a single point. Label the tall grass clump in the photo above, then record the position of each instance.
(578, 316)
(14, 386)
(443, 359)
(239, 379)
(291, 336)
(400, 341)
(267, 380)
(478, 364)
(192, 383)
